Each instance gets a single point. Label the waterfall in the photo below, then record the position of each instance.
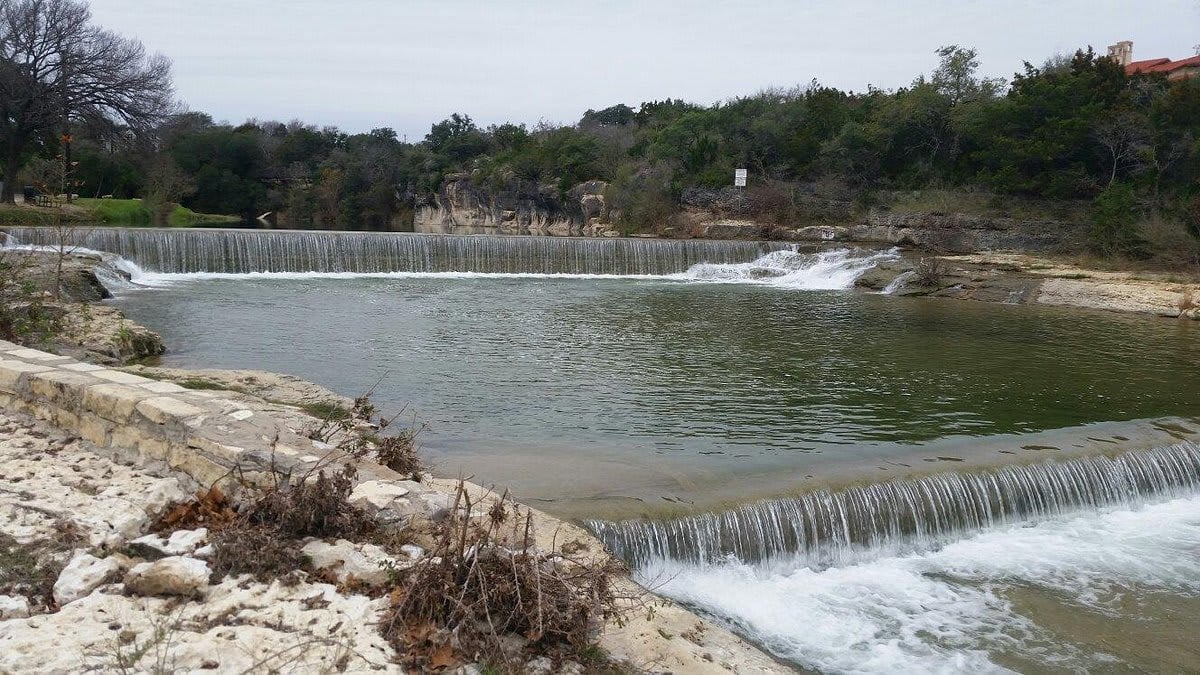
(243, 251)
(837, 527)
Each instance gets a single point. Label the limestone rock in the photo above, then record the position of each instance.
(821, 233)
(175, 575)
(82, 575)
(13, 607)
(181, 542)
(376, 495)
(365, 562)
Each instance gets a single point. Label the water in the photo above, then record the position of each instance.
(857, 482)
(824, 528)
(1109, 591)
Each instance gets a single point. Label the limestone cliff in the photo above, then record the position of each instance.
(463, 206)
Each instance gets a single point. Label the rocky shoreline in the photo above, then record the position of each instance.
(1020, 278)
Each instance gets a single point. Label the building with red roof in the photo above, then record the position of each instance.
(1122, 53)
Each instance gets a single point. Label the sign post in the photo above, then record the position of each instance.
(739, 178)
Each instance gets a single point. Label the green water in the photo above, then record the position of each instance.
(655, 392)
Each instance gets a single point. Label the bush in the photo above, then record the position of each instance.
(1114, 220)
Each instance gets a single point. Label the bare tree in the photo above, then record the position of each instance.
(55, 68)
(1125, 138)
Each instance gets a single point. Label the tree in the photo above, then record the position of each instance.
(55, 68)
(955, 77)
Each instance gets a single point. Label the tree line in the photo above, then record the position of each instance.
(1075, 128)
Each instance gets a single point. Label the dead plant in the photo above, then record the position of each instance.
(928, 272)
(485, 582)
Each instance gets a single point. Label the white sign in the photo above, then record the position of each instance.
(739, 178)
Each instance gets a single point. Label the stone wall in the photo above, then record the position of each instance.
(206, 435)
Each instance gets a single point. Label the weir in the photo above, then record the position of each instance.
(244, 251)
(836, 527)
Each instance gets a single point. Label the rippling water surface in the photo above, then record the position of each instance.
(574, 389)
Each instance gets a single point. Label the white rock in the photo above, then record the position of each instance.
(81, 576)
(181, 542)
(204, 552)
(412, 551)
(13, 607)
(175, 575)
(376, 495)
(364, 561)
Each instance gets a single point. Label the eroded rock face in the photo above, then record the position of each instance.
(174, 575)
(517, 207)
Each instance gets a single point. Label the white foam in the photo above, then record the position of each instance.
(831, 270)
(942, 611)
(827, 270)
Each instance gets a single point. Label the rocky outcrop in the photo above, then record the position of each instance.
(461, 206)
(950, 233)
(1014, 278)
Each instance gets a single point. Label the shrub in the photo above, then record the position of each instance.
(928, 272)
(1114, 220)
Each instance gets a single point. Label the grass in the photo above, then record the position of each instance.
(132, 212)
(331, 412)
(201, 384)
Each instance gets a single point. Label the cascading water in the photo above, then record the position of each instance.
(956, 572)
(252, 251)
(831, 528)
(150, 256)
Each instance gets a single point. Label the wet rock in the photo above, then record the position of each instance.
(175, 575)
(83, 575)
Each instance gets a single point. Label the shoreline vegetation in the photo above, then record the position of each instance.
(117, 212)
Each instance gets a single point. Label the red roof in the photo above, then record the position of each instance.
(1161, 65)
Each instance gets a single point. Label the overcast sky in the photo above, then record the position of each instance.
(360, 64)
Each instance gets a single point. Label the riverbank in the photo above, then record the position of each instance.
(86, 210)
(81, 510)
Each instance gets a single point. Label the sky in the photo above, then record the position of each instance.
(405, 64)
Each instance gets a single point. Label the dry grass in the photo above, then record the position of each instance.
(30, 570)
